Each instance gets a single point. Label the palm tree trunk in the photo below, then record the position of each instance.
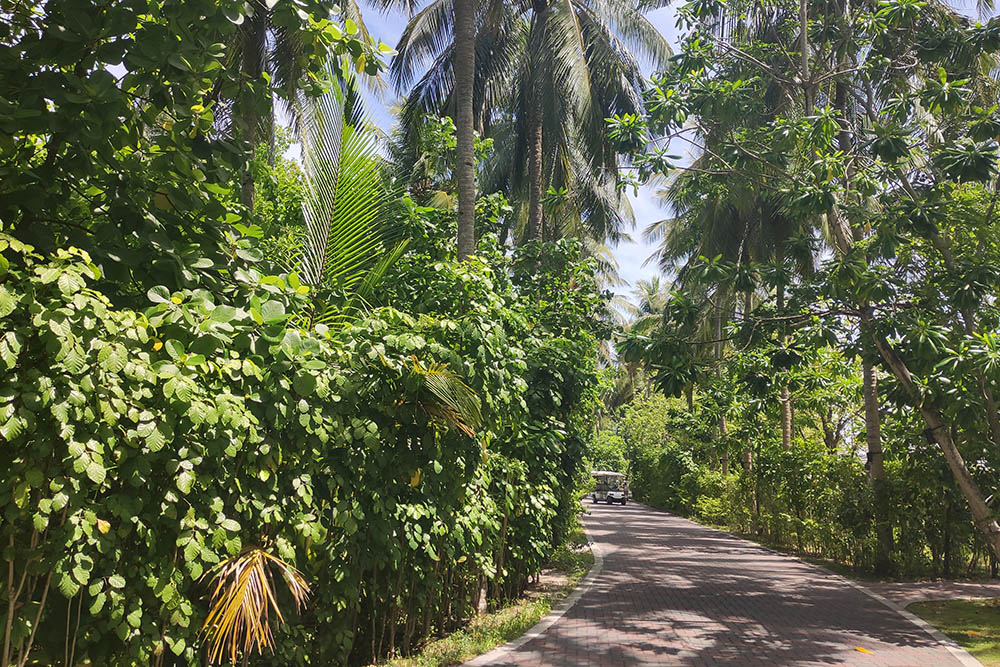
(747, 308)
(873, 426)
(252, 65)
(719, 347)
(804, 54)
(465, 72)
(786, 418)
(535, 228)
(535, 176)
(786, 398)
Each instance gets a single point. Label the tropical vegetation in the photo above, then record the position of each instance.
(279, 386)
(831, 317)
(278, 424)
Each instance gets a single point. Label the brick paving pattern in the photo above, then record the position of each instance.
(673, 592)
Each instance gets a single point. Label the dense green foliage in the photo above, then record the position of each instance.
(833, 243)
(174, 396)
(808, 499)
(212, 352)
(326, 448)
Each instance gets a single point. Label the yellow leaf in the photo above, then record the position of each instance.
(103, 526)
(168, 125)
(197, 108)
(157, 345)
(416, 478)
(175, 299)
(863, 650)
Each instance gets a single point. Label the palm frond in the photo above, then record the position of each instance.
(243, 597)
(564, 48)
(428, 32)
(456, 402)
(345, 207)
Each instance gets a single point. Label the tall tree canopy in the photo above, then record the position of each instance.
(547, 75)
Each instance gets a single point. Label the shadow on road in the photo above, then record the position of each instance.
(673, 592)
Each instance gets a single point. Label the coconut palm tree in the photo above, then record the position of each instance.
(547, 74)
(263, 46)
(740, 224)
(465, 79)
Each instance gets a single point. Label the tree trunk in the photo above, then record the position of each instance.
(747, 308)
(719, 348)
(804, 55)
(535, 146)
(982, 518)
(826, 423)
(786, 399)
(252, 65)
(876, 471)
(465, 72)
(535, 229)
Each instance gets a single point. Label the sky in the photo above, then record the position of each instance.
(630, 255)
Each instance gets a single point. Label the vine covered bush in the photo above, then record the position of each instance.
(147, 446)
(169, 403)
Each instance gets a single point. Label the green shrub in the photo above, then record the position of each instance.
(144, 447)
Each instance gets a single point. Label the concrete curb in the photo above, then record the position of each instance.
(957, 651)
(497, 654)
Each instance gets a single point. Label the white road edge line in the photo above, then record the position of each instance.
(957, 651)
(951, 645)
(497, 654)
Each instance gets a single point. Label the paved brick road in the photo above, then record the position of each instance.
(672, 592)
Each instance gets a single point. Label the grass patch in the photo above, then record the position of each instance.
(974, 624)
(568, 565)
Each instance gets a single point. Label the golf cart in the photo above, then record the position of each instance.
(611, 487)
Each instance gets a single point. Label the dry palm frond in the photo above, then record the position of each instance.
(242, 600)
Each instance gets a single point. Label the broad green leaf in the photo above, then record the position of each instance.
(7, 302)
(223, 314)
(96, 472)
(185, 481)
(272, 311)
(174, 348)
(304, 383)
(158, 294)
(67, 586)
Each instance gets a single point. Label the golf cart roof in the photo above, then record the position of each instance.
(606, 473)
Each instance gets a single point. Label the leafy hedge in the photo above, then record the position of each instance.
(804, 499)
(144, 447)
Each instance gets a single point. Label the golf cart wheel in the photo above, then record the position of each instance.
(593, 499)
(624, 501)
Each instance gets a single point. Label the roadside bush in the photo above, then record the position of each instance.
(146, 447)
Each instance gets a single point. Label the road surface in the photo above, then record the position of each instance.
(673, 592)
